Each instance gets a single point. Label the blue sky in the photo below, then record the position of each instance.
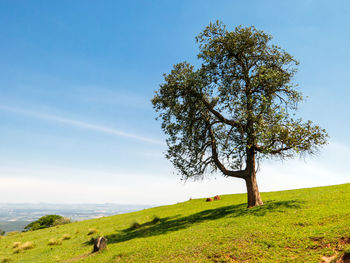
(76, 79)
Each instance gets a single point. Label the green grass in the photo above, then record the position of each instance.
(293, 226)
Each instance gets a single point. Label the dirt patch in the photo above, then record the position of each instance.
(317, 239)
(325, 259)
(345, 258)
(319, 242)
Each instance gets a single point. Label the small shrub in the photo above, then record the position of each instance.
(27, 245)
(92, 231)
(2, 232)
(54, 242)
(135, 225)
(66, 237)
(62, 221)
(16, 244)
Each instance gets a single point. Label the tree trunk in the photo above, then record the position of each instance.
(254, 198)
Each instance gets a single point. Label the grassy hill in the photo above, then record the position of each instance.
(302, 225)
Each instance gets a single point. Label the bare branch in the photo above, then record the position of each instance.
(219, 115)
(222, 168)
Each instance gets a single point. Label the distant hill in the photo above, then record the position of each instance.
(304, 225)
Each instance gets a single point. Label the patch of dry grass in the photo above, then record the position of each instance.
(54, 242)
(13, 233)
(92, 231)
(16, 244)
(66, 237)
(5, 260)
(27, 245)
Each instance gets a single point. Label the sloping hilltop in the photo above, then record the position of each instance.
(305, 225)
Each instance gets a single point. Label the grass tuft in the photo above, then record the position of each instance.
(16, 244)
(27, 245)
(54, 242)
(66, 237)
(92, 231)
(17, 250)
(13, 233)
(5, 260)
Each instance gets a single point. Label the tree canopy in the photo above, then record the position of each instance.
(234, 110)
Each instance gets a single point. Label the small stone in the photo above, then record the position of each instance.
(217, 197)
(100, 243)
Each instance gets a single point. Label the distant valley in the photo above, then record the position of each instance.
(14, 217)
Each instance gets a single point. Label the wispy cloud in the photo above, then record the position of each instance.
(80, 124)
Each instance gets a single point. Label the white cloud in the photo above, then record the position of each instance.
(81, 124)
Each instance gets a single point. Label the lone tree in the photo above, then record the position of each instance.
(236, 109)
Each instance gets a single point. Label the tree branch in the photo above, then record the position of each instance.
(220, 116)
(222, 168)
(273, 151)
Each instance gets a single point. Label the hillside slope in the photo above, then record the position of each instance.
(293, 226)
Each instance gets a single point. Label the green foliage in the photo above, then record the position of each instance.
(47, 221)
(293, 226)
(238, 106)
(2, 232)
